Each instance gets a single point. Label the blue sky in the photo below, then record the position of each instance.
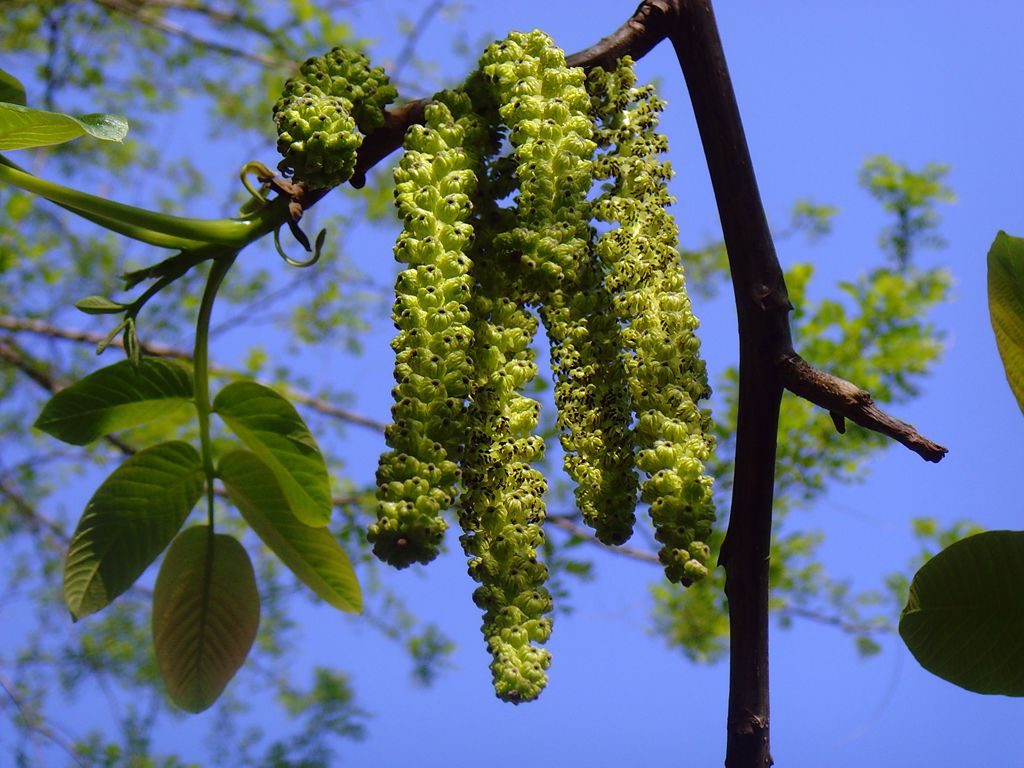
(821, 86)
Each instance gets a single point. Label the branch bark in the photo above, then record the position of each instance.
(762, 307)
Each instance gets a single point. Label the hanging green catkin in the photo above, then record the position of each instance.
(320, 111)
(660, 348)
(502, 503)
(503, 498)
(416, 480)
(545, 105)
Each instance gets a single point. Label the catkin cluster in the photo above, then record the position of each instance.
(323, 113)
(546, 108)
(501, 219)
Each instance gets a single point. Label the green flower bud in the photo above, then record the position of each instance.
(347, 74)
(544, 104)
(317, 137)
(319, 112)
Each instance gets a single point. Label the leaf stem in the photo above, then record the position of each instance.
(201, 364)
(159, 229)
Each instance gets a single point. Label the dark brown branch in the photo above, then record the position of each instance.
(762, 307)
(385, 140)
(845, 400)
(644, 30)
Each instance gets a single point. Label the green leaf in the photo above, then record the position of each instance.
(1006, 306)
(24, 127)
(117, 397)
(312, 554)
(272, 429)
(99, 305)
(206, 612)
(964, 618)
(11, 89)
(128, 522)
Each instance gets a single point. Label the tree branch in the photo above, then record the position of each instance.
(762, 307)
(845, 400)
(41, 328)
(137, 11)
(569, 525)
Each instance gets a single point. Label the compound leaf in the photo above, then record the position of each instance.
(312, 554)
(272, 429)
(132, 516)
(119, 396)
(206, 611)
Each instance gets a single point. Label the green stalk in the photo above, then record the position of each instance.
(201, 365)
(158, 229)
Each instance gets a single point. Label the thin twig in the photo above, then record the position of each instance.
(567, 524)
(413, 38)
(50, 330)
(32, 516)
(134, 11)
(840, 622)
(845, 400)
(34, 371)
(35, 724)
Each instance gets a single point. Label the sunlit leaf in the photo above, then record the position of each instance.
(964, 619)
(1006, 307)
(272, 429)
(128, 522)
(23, 127)
(119, 396)
(206, 611)
(11, 89)
(312, 554)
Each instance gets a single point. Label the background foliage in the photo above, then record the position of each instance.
(165, 66)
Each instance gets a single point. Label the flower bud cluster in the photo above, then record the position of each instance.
(661, 351)
(346, 74)
(417, 479)
(320, 111)
(503, 498)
